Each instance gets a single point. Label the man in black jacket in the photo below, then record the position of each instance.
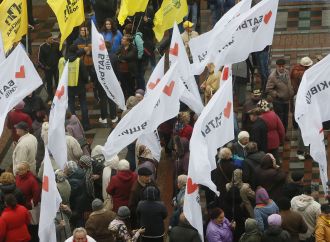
(258, 132)
(48, 57)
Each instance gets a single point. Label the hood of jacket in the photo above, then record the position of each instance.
(302, 202)
(273, 231)
(125, 175)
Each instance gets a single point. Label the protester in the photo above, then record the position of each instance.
(258, 129)
(252, 233)
(80, 234)
(62, 223)
(187, 35)
(121, 184)
(145, 159)
(295, 186)
(181, 147)
(177, 201)
(98, 222)
(212, 83)
(184, 232)
(33, 105)
(275, 232)
(238, 148)
(111, 34)
(322, 230)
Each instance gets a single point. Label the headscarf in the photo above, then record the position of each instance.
(72, 167)
(251, 228)
(86, 164)
(236, 180)
(262, 196)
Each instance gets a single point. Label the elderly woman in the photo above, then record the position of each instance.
(219, 228)
(238, 148)
(178, 200)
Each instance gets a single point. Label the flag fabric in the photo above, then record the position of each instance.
(152, 142)
(156, 75)
(13, 22)
(178, 54)
(69, 14)
(170, 12)
(56, 131)
(310, 111)
(161, 104)
(129, 8)
(50, 203)
(213, 129)
(201, 52)
(2, 50)
(18, 79)
(104, 70)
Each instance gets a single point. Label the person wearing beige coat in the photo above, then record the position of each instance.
(211, 84)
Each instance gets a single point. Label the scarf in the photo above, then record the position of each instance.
(86, 164)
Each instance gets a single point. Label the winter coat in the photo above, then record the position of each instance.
(115, 40)
(258, 134)
(6, 189)
(63, 233)
(296, 75)
(128, 56)
(79, 200)
(97, 225)
(250, 166)
(280, 89)
(64, 189)
(256, 237)
(76, 130)
(16, 221)
(184, 233)
(322, 230)
(120, 188)
(292, 189)
(276, 132)
(121, 232)
(276, 233)
(109, 171)
(219, 232)
(261, 213)
(272, 180)
(239, 154)
(26, 150)
(309, 210)
(48, 55)
(73, 148)
(293, 223)
(30, 187)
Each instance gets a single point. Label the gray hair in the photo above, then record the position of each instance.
(225, 154)
(182, 180)
(77, 230)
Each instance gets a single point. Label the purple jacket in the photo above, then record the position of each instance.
(219, 232)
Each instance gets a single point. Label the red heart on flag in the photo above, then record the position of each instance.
(268, 16)
(321, 131)
(152, 85)
(102, 45)
(227, 110)
(45, 184)
(21, 73)
(168, 89)
(191, 187)
(225, 74)
(175, 50)
(60, 93)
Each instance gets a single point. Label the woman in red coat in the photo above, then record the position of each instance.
(16, 219)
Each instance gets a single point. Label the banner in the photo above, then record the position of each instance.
(213, 129)
(161, 104)
(56, 131)
(13, 22)
(152, 142)
(104, 70)
(178, 54)
(69, 14)
(311, 111)
(50, 203)
(170, 12)
(156, 75)
(2, 50)
(18, 79)
(130, 7)
(200, 51)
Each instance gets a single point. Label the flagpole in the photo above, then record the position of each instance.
(64, 222)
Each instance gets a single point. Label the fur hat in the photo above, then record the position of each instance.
(123, 165)
(306, 61)
(243, 134)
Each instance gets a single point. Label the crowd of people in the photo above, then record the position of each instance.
(119, 199)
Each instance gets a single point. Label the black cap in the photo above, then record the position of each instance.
(144, 171)
(22, 125)
(280, 62)
(297, 175)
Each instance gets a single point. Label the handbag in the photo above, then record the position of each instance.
(35, 214)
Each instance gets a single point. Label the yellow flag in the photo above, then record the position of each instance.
(171, 11)
(130, 7)
(13, 21)
(69, 14)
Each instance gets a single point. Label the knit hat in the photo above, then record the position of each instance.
(59, 176)
(274, 220)
(280, 62)
(264, 105)
(86, 160)
(297, 175)
(20, 105)
(262, 196)
(243, 134)
(251, 225)
(71, 166)
(97, 204)
(144, 171)
(306, 61)
(123, 212)
(123, 165)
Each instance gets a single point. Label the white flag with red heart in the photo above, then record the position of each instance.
(2, 50)
(104, 70)
(18, 78)
(56, 132)
(213, 129)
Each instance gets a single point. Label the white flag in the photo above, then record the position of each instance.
(56, 131)
(201, 51)
(161, 104)
(50, 202)
(152, 142)
(2, 50)
(311, 111)
(213, 129)
(178, 54)
(156, 75)
(18, 78)
(104, 70)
